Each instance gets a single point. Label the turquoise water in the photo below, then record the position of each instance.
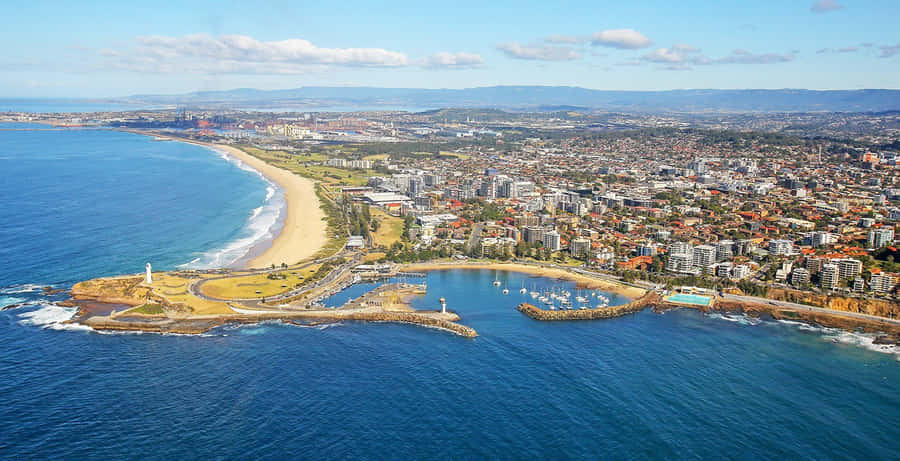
(690, 299)
(645, 386)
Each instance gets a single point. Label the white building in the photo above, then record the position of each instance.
(551, 240)
(880, 237)
(882, 283)
(704, 256)
(829, 276)
(781, 247)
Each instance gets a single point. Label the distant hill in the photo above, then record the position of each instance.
(545, 98)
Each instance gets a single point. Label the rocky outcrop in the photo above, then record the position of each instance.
(830, 320)
(877, 307)
(590, 314)
(120, 290)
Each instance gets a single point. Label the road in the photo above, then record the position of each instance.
(195, 287)
(476, 235)
(803, 307)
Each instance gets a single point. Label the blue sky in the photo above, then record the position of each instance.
(108, 48)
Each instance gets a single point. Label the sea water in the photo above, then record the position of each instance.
(645, 386)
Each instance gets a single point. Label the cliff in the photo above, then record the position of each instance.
(878, 307)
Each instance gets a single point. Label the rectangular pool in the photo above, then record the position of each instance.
(690, 299)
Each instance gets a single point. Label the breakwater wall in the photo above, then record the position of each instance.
(590, 314)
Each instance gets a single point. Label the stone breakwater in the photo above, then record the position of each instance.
(590, 314)
(202, 325)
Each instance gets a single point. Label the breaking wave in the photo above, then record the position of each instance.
(53, 317)
(261, 225)
(736, 318)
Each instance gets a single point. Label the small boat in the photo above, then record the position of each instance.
(581, 299)
(534, 294)
(552, 307)
(496, 283)
(505, 290)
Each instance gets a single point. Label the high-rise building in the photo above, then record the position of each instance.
(681, 263)
(740, 271)
(848, 268)
(724, 250)
(829, 276)
(799, 276)
(880, 237)
(681, 248)
(882, 283)
(580, 247)
(781, 247)
(551, 240)
(533, 234)
(704, 256)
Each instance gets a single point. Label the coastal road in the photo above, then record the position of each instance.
(803, 307)
(329, 278)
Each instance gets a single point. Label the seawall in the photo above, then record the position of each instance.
(590, 314)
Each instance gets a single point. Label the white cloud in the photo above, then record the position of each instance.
(565, 39)
(453, 61)
(538, 52)
(626, 39)
(746, 57)
(824, 6)
(242, 54)
(684, 57)
(678, 53)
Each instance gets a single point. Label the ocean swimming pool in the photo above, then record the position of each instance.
(690, 299)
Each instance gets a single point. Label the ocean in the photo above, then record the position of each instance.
(81, 204)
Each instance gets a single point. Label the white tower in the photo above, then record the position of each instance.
(149, 274)
(443, 306)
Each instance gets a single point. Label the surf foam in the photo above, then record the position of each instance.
(53, 317)
(260, 225)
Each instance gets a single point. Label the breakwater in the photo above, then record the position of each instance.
(590, 314)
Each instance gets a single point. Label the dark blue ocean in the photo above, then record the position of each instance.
(81, 204)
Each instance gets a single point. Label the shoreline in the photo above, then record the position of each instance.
(534, 270)
(303, 230)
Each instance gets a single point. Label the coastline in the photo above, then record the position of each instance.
(537, 271)
(303, 228)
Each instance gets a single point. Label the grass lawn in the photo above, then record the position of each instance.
(257, 285)
(390, 230)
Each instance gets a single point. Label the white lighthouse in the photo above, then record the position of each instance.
(149, 274)
(443, 306)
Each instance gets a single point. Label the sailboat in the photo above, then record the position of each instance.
(496, 282)
(505, 290)
(523, 290)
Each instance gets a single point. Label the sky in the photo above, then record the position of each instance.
(114, 49)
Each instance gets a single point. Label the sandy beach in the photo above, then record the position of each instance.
(304, 230)
(582, 280)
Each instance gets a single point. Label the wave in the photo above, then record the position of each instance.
(736, 318)
(864, 340)
(24, 288)
(53, 317)
(10, 300)
(260, 226)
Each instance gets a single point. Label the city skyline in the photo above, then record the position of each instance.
(169, 48)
